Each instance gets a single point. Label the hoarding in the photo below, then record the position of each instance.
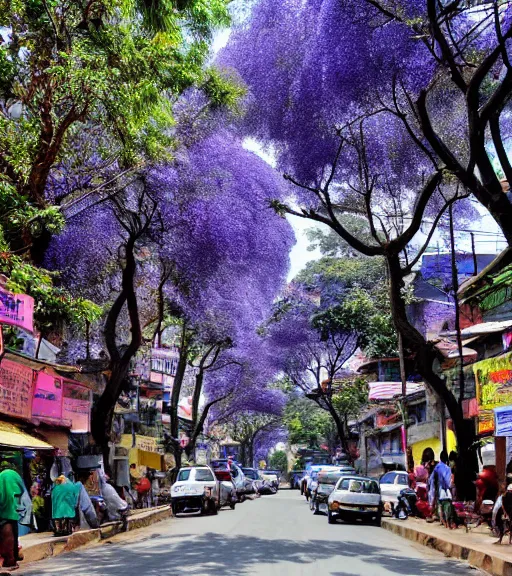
(493, 388)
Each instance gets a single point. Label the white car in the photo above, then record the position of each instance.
(197, 490)
(391, 484)
(355, 498)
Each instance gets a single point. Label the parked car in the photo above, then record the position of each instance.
(270, 477)
(355, 498)
(306, 480)
(252, 480)
(391, 484)
(322, 488)
(312, 477)
(197, 490)
(226, 471)
(296, 477)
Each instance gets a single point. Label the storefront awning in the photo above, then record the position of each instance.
(12, 436)
(390, 390)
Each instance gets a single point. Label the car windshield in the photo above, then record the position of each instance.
(359, 486)
(204, 475)
(330, 479)
(219, 465)
(183, 475)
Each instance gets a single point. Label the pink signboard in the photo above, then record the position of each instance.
(76, 406)
(15, 389)
(47, 400)
(17, 310)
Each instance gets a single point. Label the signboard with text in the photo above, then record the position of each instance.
(15, 389)
(16, 310)
(76, 406)
(47, 400)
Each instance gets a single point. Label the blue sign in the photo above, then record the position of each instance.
(503, 421)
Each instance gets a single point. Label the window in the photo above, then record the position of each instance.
(402, 479)
(344, 484)
(388, 478)
(204, 475)
(183, 475)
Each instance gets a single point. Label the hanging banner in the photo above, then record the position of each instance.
(16, 310)
(493, 388)
(76, 406)
(47, 396)
(15, 389)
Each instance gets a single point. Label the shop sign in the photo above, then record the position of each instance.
(76, 406)
(16, 310)
(493, 388)
(47, 400)
(16, 382)
(503, 421)
(146, 443)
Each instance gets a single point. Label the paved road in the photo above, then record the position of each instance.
(271, 536)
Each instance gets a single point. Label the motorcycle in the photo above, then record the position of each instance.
(406, 505)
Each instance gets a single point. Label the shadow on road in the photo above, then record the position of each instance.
(217, 554)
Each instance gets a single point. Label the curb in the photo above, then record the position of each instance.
(477, 555)
(54, 546)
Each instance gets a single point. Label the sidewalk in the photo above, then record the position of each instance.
(43, 545)
(478, 547)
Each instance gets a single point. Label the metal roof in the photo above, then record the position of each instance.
(390, 390)
(485, 328)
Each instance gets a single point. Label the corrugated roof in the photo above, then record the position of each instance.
(390, 390)
(485, 328)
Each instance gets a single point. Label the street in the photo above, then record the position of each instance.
(274, 535)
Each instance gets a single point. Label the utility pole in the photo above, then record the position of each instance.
(403, 378)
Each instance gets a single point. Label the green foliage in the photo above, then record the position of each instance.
(109, 69)
(306, 423)
(350, 396)
(356, 289)
(278, 461)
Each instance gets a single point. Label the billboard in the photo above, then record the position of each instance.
(493, 388)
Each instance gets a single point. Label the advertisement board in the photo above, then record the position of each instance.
(493, 388)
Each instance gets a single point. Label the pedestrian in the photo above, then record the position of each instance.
(12, 489)
(440, 497)
(64, 505)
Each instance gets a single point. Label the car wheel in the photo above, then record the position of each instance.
(378, 521)
(232, 505)
(330, 518)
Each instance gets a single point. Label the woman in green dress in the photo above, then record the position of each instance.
(11, 491)
(64, 503)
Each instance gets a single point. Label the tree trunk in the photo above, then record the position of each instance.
(103, 411)
(426, 356)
